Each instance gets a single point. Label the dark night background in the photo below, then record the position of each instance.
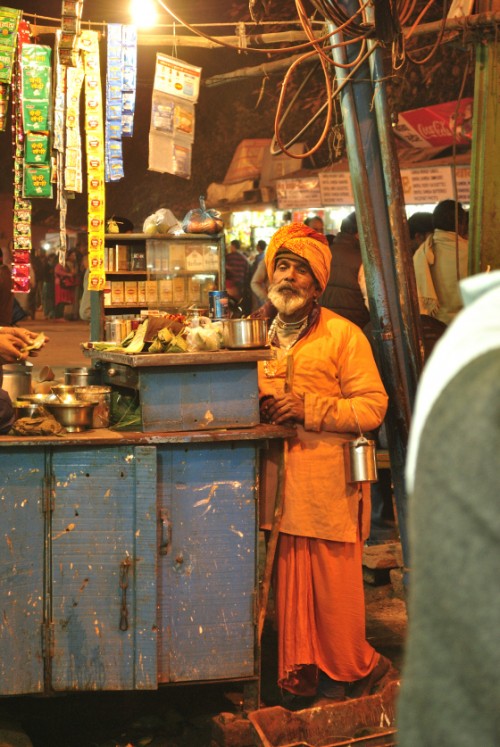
(224, 114)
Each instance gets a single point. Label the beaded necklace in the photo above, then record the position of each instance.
(286, 335)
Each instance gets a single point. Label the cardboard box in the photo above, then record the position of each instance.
(106, 293)
(151, 291)
(137, 258)
(194, 290)
(130, 289)
(109, 258)
(117, 292)
(179, 291)
(177, 258)
(195, 261)
(210, 257)
(122, 257)
(166, 291)
(141, 291)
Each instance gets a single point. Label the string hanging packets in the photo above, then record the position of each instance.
(9, 23)
(121, 78)
(22, 207)
(67, 141)
(71, 13)
(94, 137)
(35, 88)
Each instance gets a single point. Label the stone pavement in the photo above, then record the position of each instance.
(63, 349)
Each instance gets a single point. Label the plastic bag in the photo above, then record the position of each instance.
(202, 220)
(161, 223)
(204, 334)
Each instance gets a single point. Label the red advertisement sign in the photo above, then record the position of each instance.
(437, 126)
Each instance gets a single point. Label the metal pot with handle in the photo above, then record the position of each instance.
(16, 379)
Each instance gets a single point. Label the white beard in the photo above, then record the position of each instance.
(286, 303)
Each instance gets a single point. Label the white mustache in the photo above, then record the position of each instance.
(286, 286)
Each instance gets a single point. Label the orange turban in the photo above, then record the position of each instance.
(307, 244)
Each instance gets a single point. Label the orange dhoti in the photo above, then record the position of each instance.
(320, 610)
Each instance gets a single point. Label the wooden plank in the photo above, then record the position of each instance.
(107, 437)
(21, 571)
(190, 398)
(96, 540)
(207, 574)
(201, 358)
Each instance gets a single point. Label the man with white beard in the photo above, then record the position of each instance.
(324, 381)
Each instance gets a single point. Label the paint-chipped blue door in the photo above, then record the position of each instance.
(206, 575)
(103, 568)
(21, 570)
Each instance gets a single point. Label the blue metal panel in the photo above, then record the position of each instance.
(21, 570)
(103, 538)
(207, 576)
(184, 398)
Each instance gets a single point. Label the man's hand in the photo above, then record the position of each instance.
(12, 340)
(286, 408)
(10, 346)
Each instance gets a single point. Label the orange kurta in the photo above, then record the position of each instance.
(319, 585)
(334, 370)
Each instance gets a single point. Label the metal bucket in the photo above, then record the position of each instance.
(102, 396)
(360, 460)
(82, 376)
(16, 379)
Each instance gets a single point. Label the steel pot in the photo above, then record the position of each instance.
(17, 379)
(244, 333)
(82, 376)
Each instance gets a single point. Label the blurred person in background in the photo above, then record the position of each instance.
(6, 296)
(65, 282)
(238, 280)
(442, 261)
(48, 286)
(420, 226)
(258, 277)
(316, 223)
(343, 293)
(450, 687)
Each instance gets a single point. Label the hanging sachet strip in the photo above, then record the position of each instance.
(94, 141)
(36, 90)
(22, 207)
(121, 81)
(9, 23)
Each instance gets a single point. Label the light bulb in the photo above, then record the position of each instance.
(144, 13)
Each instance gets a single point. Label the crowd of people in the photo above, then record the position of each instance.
(56, 288)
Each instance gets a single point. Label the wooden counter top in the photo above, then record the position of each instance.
(200, 358)
(106, 437)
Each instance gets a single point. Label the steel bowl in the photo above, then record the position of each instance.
(240, 334)
(26, 409)
(40, 398)
(62, 390)
(74, 416)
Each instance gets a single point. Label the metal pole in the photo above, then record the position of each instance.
(377, 220)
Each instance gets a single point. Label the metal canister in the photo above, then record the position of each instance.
(360, 460)
(218, 304)
(115, 331)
